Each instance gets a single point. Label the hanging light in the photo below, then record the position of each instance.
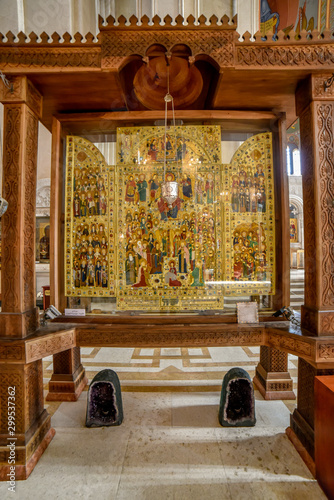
(169, 189)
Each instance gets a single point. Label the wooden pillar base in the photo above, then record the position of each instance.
(273, 385)
(304, 454)
(27, 450)
(303, 431)
(69, 378)
(271, 375)
(67, 387)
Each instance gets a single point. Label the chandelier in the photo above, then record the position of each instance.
(169, 189)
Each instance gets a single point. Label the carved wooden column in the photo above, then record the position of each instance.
(22, 108)
(302, 420)
(68, 379)
(31, 431)
(271, 375)
(315, 108)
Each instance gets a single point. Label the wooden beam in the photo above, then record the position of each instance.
(160, 115)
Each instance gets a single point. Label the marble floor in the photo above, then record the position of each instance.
(170, 445)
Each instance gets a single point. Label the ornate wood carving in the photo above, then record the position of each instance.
(34, 403)
(221, 42)
(286, 56)
(326, 351)
(12, 353)
(118, 45)
(289, 344)
(56, 342)
(325, 140)
(23, 91)
(32, 422)
(327, 323)
(318, 88)
(317, 139)
(273, 360)
(10, 221)
(29, 222)
(146, 337)
(69, 378)
(271, 375)
(18, 223)
(304, 427)
(9, 378)
(47, 58)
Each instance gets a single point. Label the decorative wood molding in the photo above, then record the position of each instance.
(324, 115)
(179, 23)
(52, 344)
(217, 39)
(316, 350)
(51, 58)
(285, 57)
(117, 46)
(326, 351)
(12, 353)
(318, 87)
(29, 218)
(23, 92)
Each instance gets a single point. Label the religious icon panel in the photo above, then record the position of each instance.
(170, 228)
(89, 221)
(169, 251)
(249, 220)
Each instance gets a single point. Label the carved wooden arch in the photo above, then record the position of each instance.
(144, 79)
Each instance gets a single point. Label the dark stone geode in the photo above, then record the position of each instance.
(104, 400)
(237, 404)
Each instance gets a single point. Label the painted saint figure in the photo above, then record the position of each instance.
(142, 275)
(171, 276)
(142, 187)
(130, 190)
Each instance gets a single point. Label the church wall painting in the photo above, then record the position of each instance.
(287, 15)
(215, 239)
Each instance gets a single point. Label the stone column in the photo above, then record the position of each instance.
(22, 108)
(271, 375)
(68, 379)
(315, 108)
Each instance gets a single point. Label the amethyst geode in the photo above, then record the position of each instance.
(104, 401)
(237, 404)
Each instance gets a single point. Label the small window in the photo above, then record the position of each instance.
(296, 162)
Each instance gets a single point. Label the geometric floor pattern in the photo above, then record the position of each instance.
(170, 445)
